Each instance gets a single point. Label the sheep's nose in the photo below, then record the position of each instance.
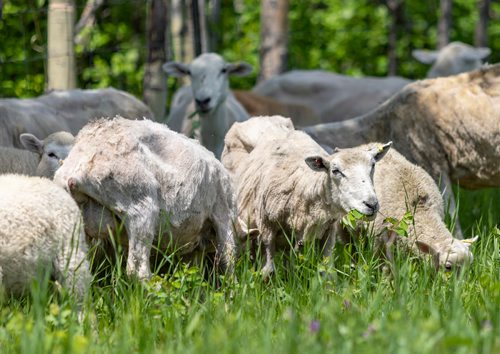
(373, 205)
(203, 103)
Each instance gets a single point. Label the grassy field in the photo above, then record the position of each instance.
(310, 305)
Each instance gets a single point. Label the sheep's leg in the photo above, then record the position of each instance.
(269, 247)
(449, 199)
(141, 235)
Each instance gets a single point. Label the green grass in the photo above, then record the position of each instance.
(312, 305)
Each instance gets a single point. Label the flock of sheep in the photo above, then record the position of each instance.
(378, 146)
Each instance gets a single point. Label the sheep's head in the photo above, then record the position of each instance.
(52, 150)
(209, 75)
(451, 255)
(350, 172)
(455, 58)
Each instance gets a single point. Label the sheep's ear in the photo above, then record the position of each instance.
(379, 150)
(176, 69)
(428, 249)
(239, 69)
(425, 56)
(476, 53)
(318, 163)
(469, 241)
(31, 143)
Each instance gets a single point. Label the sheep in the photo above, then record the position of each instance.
(258, 105)
(288, 182)
(40, 226)
(214, 103)
(401, 187)
(42, 157)
(452, 59)
(449, 126)
(158, 183)
(63, 111)
(335, 97)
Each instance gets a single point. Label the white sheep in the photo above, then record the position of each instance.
(404, 187)
(43, 157)
(40, 226)
(161, 184)
(213, 101)
(288, 183)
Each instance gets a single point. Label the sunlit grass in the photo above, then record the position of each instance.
(344, 304)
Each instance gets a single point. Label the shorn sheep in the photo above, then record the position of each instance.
(40, 226)
(335, 97)
(43, 157)
(66, 110)
(289, 183)
(404, 187)
(213, 101)
(450, 126)
(164, 187)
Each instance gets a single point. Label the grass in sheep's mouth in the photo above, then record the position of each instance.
(344, 304)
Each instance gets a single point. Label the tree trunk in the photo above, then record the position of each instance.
(396, 14)
(176, 24)
(199, 26)
(273, 38)
(214, 26)
(188, 32)
(481, 35)
(444, 25)
(155, 84)
(61, 58)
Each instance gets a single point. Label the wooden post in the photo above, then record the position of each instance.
(155, 85)
(61, 58)
(273, 38)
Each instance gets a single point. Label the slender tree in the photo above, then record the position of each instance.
(60, 51)
(481, 35)
(273, 38)
(396, 14)
(444, 25)
(155, 87)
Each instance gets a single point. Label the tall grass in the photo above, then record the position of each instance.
(344, 304)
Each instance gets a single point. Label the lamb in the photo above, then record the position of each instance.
(449, 126)
(215, 104)
(402, 186)
(42, 157)
(288, 182)
(40, 226)
(335, 97)
(158, 183)
(63, 111)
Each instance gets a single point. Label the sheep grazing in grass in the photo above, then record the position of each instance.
(213, 101)
(40, 226)
(63, 111)
(449, 126)
(335, 97)
(287, 182)
(42, 157)
(403, 187)
(164, 187)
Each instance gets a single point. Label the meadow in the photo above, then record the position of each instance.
(345, 304)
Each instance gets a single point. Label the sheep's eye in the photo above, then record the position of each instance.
(224, 70)
(52, 155)
(336, 172)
